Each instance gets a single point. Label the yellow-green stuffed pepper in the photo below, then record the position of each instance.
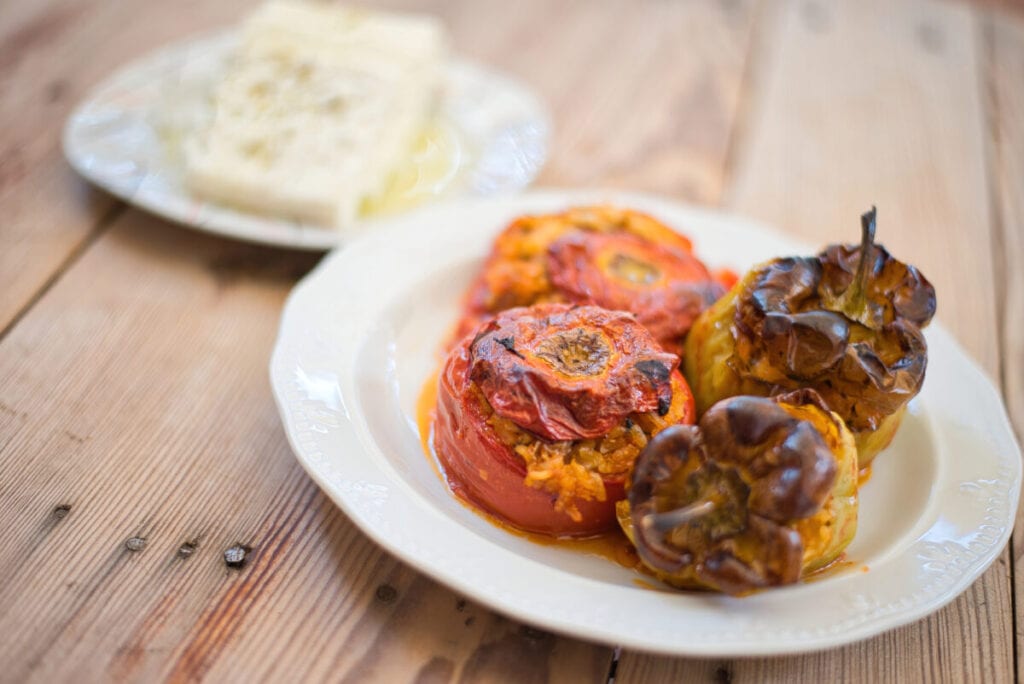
(761, 493)
(846, 323)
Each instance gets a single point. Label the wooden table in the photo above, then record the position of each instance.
(138, 437)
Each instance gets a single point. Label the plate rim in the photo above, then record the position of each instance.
(280, 366)
(300, 236)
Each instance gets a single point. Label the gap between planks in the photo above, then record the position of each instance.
(76, 252)
(987, 82)
(1003, 35)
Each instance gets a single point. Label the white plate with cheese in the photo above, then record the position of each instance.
(213, 133)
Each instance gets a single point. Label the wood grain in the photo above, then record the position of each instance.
(138, 438)
(52, 52)
(678, 62)
(661, 118)
(197, 456)
(1005, 63)
(644, 96)
(879, 103)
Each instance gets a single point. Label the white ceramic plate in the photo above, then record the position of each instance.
(360, 335)
(126, 138)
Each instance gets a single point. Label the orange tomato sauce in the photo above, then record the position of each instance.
(612, 546)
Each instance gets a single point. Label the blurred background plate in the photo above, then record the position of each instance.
(489, 136)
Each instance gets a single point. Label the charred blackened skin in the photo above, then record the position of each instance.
(664, 405)
(656, 371)
(713, 504)
(509, 344)
(574, 372)
(847, 323)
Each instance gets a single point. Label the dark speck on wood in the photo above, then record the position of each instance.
(930, 37)
(60, 512)
(386, 593)
(187, 549)
(56, 90)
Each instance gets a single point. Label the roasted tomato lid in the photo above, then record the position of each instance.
(665, 286)
(570, 372)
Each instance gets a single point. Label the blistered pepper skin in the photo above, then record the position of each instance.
(846, 323)
(761, 493)
(707, 360)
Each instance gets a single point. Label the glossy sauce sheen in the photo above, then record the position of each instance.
(840, 566)
(613, 546)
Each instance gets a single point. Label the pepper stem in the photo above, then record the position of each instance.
(867, 241)
(661, 523)
(853, 301)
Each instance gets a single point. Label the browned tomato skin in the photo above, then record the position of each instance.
(487, 472)
(519, 362)
(516, 272)
(665, 287)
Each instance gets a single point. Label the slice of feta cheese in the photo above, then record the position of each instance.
(315, 109)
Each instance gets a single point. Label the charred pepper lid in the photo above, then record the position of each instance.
(847, 322)
(716, 501)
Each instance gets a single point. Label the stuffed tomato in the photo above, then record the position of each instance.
(602, 256)
(543, 410)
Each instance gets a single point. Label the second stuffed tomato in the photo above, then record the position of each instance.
(543, 410)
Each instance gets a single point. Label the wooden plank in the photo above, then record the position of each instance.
(139, 440)
(879, 102)
(1014, 6)
(643, 96)
(52, 53)
(158, 425)
(55, 54)
(660, 117)
(1005, 61)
